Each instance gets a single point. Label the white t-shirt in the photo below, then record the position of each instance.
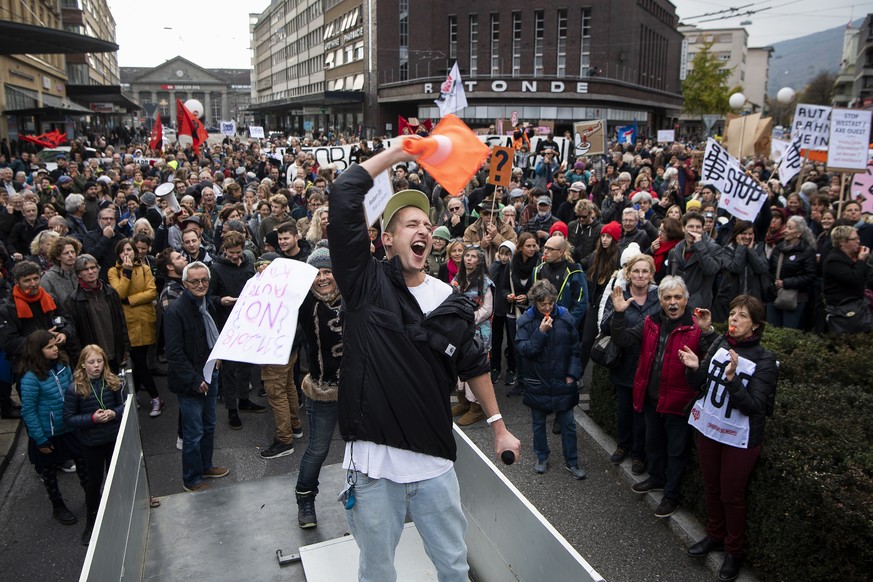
(399, 465)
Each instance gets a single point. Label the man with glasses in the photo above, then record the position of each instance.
(457, 220)
(584, 232)
(189, 335)
(566, 277)
(101, 241)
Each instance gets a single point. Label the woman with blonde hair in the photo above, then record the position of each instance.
(40, 249)
(93, 405)
(318, 226)
(133, 281)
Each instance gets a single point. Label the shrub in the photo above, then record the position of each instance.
(810, 501)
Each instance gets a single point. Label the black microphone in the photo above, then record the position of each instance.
(508, 457)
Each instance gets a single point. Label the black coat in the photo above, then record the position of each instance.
(102, 249)
(844, 279)
(78, 411)
(798, 268)
(228, 280)
(743, 272)
(14, 330)
(399, 367)
(76, 306)
(698, 270)
(185, 345)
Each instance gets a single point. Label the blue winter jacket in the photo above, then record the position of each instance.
(549, 358)
(42, 403)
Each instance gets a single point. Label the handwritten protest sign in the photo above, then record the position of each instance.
(377, 198)
(812, 124)
(862, 189)
(228, 128)
(256, 131)
(260, 329)
(666, 135)
(740, 194)
(789, 165)
(849, 140)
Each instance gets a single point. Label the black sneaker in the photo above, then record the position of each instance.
(618, 456)
(516, 391)
(67, 466)
(63, 515)
(646, 486)
(249, 406)
(277, 449)
(495, 375)
(509, 379)
(306, 517)
(233, 419)
(638, 467)
(262, 393)
(667, 507)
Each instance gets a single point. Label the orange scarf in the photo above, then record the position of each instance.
(22, 302)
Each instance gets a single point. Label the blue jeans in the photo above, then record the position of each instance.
(198, 434)
(568, 435)
(377, 520)
(781, 318)
(322, 422)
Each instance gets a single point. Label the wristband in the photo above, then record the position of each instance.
(492, 419)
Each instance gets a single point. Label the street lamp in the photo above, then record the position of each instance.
(736, 101)
(785, 95)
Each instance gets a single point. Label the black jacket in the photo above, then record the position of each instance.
(798, 268)
(228, 280)
(14, 330)
(399, 367)
(698, 270)
(102, 249)
(584, 238)
(752, 400)
(744, 272)
(78, 411)
(185, 345)
(844, 279)
(76, 306)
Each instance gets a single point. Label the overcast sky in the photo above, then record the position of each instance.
(216, 34)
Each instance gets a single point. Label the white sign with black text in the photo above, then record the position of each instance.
(741, 195)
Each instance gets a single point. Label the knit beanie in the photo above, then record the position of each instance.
(613, 229)
(320, 258)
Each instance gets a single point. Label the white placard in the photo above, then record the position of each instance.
(377, 198)
(260, 329)
(789, 164)
(740, 193)
(256, 131)
(713, 414)
(666, 135)
(812, 125)
(849, 140)
(228, 128)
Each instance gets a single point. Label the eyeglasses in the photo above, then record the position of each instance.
(198, 282)
(454, 208)
(552, 249)
(583, 215)
(471, 247)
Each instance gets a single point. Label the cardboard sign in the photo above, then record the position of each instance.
(501, 166)
(812, 123)
(261, 327)
(849, 140)
(256, 131)
(666, 135)
(377, 198)
(741, 195)
(589, 137)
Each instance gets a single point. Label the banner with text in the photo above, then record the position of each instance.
(256, 131)
(789, 164)
(228, 128)
(260, 329)
(812, 124)
(849, 140)
(740, 194)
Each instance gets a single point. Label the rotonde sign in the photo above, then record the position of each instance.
(517, 86)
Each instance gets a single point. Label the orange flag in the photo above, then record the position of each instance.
(157, 138)
(190, 125)
(452, 154)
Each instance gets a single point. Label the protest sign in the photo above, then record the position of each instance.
(666, 135)
(741, 195)
(812, 124)
(778, 147)
(256, 131)
(500, 170)
(589, 137)
(789, 165)
(377, 198)
(862, 189)
(260, 329)
(849, 140)
(228, 128)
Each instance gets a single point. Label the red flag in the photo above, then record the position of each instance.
(190, 125)
(157, 138)
(403, 126)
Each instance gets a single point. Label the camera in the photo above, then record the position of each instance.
(58, 321)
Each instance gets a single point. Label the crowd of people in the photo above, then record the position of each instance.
(97, 268)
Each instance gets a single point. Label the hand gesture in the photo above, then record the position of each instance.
(696, 237)
(656, 244)
(521, 299)
(618, 301)
(546, 324)
(109, 231)
(863, 253)
(491, 230)
(456, 218)
(689, 358)
(127, 262)
(731, 369)
(642, 215)
(704, 318)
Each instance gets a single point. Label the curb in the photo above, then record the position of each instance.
(10, 431)
(683, 523)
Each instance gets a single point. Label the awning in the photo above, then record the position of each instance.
(18, 39)
(84, 95)
(50, 104)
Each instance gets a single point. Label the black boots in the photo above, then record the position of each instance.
(62, 514)
(704, 546)
(730, 568)
(89, 527)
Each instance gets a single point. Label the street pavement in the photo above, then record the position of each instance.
(612, 527)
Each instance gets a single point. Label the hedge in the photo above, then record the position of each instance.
(810, 502)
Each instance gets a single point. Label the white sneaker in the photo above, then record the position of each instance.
(157, 407)
(179, 443)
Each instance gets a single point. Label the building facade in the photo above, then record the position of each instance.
(854, 83)
(616, 60)
(224, 93)
(90, 18)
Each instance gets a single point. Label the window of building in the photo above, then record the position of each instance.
(539, 34)
(495, 45)
(404, 41)
(359, 51)
(562, 43)
(585, 51)
(474, 45)
(516, 44)
(453, 37)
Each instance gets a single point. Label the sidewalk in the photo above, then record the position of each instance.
(10, 430)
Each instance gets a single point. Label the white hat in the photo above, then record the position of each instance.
(630, 252)
(508, 244)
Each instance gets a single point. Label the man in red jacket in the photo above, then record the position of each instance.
(661, 391)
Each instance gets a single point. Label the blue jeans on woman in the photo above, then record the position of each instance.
(322, 422)
(567, 422)
(784, 318)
